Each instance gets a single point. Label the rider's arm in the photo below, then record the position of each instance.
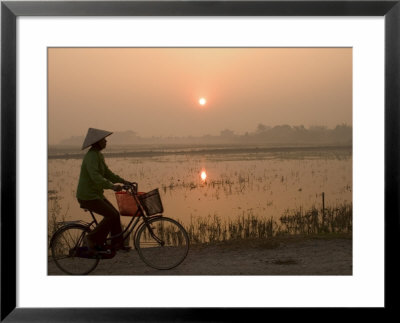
(113, 178)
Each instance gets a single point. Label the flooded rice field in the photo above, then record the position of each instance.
(222, 186)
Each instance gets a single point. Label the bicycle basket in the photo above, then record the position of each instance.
(151, 202)
(126, 203)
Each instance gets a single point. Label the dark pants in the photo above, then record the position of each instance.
(111, 222)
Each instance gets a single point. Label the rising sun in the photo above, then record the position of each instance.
(202, 101)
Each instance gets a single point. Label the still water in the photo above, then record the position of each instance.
(225, 185)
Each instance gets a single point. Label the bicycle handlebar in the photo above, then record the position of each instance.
(131, 186)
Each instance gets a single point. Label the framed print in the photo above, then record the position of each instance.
(252, 109)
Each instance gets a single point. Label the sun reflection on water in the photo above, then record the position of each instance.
(203, 175)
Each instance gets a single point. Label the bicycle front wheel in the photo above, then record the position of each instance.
(162, 243)
(66, 251)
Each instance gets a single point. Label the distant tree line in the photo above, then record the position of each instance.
(263, 135)
(341, 134)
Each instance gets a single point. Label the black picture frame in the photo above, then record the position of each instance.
(11, 10)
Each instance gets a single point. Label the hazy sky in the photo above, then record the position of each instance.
(156, 91)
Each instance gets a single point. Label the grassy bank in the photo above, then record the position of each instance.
(329, 222)
(312, 222)
(271, 242)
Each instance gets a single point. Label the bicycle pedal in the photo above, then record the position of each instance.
(105, 252)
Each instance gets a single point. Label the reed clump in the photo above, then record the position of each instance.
(209, 229)
(214, 229)
(55, 214)
(313, 221)
(249, 226)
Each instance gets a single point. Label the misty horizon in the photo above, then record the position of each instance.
(180, 92)
(285, 134)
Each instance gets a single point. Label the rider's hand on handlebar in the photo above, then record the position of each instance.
(117, 188)
(130, 186)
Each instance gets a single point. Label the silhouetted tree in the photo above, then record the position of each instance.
(227, 133)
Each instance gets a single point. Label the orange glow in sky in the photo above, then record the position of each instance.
(210, 89)
(203, 175)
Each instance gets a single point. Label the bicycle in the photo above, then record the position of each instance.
(162, 243)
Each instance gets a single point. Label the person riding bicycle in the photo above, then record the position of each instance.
(95, 176)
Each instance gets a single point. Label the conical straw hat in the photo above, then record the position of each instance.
(93, 136)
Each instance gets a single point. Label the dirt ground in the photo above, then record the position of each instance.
(318, 255)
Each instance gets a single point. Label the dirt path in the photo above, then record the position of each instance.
(279, 256)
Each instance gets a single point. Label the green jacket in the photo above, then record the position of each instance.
(95, 177)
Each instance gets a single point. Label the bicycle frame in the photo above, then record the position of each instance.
(146, 236)
(139, 215)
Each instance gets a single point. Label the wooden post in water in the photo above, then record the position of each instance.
(323, 209)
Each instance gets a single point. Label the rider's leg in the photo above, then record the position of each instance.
(115, 227)
(110, 223)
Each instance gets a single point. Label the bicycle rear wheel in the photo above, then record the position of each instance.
(162, 243)
(66, 251)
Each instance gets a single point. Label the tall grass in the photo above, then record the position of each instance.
(55, 214)
(211, 229)
(313, 221)
(249, 226)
